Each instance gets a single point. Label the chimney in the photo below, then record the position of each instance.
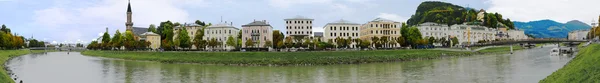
(231, 24)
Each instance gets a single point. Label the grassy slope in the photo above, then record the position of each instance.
(5, 55)
(287, 58)
(278, 58)
(584, 68)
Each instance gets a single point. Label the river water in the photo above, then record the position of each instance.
(525, 66)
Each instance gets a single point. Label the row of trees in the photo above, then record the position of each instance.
(118, 41)
(10, 41)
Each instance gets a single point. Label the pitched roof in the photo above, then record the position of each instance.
(256, 23)
(342, 22)
(382, 20)
(299, 18)
(149, 33)
(222, 25)
(139, 30)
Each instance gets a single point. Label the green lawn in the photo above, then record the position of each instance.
(5, 55)
(287, 58)
(584, 68)
(278, 58)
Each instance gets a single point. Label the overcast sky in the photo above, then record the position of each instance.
(83, 20)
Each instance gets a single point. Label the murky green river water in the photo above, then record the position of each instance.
(526, 66)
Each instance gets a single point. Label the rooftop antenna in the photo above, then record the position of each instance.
(221, 19)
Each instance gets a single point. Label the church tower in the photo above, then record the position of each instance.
(129, 24)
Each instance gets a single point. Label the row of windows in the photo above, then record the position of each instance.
(298, 27)
(343, 28)
(384, 25)
(217, 31)
(255, 31)
(298, 22)
(427, 28)
(254, 38)
(299, 32)
(344, 34)
(384, 32)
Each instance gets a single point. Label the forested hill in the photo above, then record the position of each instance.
(447, 13)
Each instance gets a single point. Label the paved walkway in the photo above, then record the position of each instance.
(465, 50)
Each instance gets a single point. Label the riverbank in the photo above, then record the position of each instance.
(7, 54)
(584, 68)
(289, 58)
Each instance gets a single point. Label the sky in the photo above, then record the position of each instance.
(73, 21)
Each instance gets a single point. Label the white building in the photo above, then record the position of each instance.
(578, 35)
(471, 34)
(259, 32)
(342, 29)
(517, 35)
(430, 29)
(299, 27)
(221, 32)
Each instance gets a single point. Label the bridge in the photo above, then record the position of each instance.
(529, 42)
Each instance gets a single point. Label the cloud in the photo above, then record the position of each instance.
(288, 3)
(318, 29)
(394, 17)
(80, 19)
(559, 10)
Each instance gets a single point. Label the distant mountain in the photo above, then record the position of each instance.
(550, 28)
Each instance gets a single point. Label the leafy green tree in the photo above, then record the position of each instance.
(375, 41)
(277, 37)
(184, 38)
(431, 40)
(365, 44)
(117, 40)
(5, 29)
(348, 42)
(400, 40)
(289, 42)
(200, 23)
(454, 41)
(413, 35)
(231, 41)
(152, 28)
(129, 41)
(249, 43)
(384, 40)
(212, 43)
(268, 44)
(307, 43)
(280, 45)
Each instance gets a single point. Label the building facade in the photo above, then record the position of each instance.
(379, 28)
(153, 38)
(517, 35)
(578, 35)
(471, 34)
(258, 32)
(221, 33)
(299, 27)
(430, 29)
(341, 29)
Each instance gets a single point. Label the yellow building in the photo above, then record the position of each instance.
(153, 38)
(379, 28)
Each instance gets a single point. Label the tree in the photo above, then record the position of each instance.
(307, 43)
(277, 37)
(412, 36)
(375, 41)
(231, 41)
(152, 28)
(165, 29)
(339, 42)
(400, 40)
(213, 43)
(431, 40)
(184, 38)
(117, 40)
(280, 45)
(348, 42)
(4, 29)
(129, 41)
(289, 42)
(249, 43)
(198, 22)
(454, 41)
(384, 40)
(199, 42)
(365, 44)
(268, 44)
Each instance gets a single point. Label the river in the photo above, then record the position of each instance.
(525, 66)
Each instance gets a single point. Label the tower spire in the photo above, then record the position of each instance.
(128, 5)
